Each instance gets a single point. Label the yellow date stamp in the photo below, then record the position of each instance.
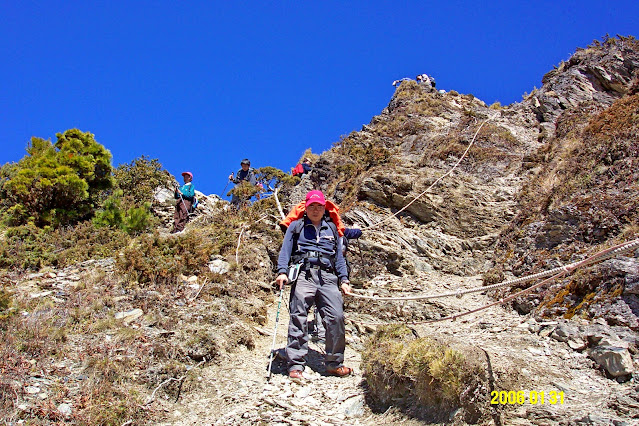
(522, 397)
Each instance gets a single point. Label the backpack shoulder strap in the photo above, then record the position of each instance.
(335, 232)
(296, 227)
(333, 226)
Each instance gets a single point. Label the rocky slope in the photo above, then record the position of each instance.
(546, 182)
(541, 183)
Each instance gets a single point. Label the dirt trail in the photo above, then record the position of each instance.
(235, 392)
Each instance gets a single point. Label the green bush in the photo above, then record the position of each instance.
(139, 219)
(157, 260)
(244, 190)
(30, 247)
(111, 213)
(139, 178)
(57, 184)
(6, 302)
(134, 220)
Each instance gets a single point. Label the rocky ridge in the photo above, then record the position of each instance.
(456, 236)
(457, 227)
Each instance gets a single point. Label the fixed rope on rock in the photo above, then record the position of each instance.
(556, 273)
(434, 183)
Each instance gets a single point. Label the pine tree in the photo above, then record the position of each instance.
(57, 184)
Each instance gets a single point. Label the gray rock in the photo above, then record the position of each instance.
(564, 332)
(546, 330)
(219, 266)
(577, 343)
(615, 360)
(303, 392)
(65, 409)
(162, 195)
(533, 326)
(354, 407)
(32, 390)
(619, 311)
(628, 336)
(601, 335)
(129, 316)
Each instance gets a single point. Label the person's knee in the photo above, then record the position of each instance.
(333, 316)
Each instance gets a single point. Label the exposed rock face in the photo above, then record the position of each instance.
(590, 75)
(453, 225)
(524, 187)
(546, 182)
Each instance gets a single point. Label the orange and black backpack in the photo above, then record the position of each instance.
(298, 211)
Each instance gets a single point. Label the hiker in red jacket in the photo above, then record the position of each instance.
(302, 168)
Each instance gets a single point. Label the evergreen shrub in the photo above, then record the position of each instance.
(56, 184)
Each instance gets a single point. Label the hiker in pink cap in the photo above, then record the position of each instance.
(311, 259)
(184, 196)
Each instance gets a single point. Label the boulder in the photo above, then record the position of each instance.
(219, 266)
(162, 195)
(615, 360)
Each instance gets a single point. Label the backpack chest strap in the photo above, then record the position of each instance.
(307, 256)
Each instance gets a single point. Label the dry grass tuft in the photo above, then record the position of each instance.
(422, 374)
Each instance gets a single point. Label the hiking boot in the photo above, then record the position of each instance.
(296, 375)
(279, 354)
(339, 371)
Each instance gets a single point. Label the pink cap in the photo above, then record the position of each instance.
(315, 197)
(188, 174)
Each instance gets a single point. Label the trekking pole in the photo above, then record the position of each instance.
(183, 203)
(227, 185)
(277, 317)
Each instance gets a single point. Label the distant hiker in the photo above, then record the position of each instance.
(307, 164)
(302, 168)
(398, 82)
(246, 173)
(312, 251)
(426, 80)
(184, 196)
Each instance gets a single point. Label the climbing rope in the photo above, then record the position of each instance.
(598, 257)
(434, 183)
(556, 273)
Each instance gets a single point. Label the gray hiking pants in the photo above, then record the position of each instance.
(318, 326)
(317, 287)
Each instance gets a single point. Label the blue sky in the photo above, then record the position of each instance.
(200, 85)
